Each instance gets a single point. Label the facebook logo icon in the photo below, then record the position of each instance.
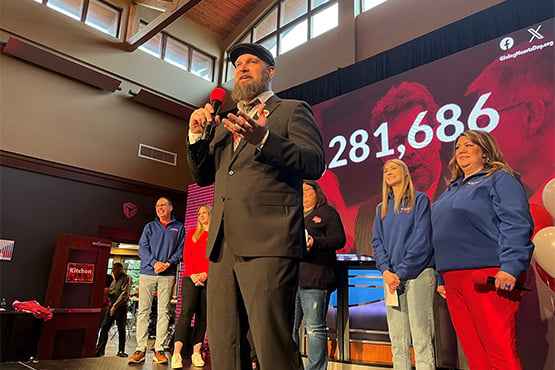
(506, 43)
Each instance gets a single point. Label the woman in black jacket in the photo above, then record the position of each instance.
(324, 235)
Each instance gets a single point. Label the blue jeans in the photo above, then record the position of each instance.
(413, 318)
(314, 304)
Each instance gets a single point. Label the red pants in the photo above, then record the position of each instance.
(484, 319)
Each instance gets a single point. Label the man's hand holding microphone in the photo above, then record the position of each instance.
(203, 121)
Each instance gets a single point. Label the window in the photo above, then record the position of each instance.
(266, 26)
(317, 3)
(202, 65)
(71, 8)
(99, 14)
(292, 9)
(179, 54)
(230, 74)
(152, 46)
(291, 23)
(325, 20)
(293, 36)
(271, 45)
(131, 266)
(369, 4)
(103, 17)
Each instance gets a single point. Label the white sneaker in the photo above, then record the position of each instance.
(177, 361)
(197, 360)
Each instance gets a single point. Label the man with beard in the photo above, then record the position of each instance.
(257, 160)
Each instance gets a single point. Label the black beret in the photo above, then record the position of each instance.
(254, 49)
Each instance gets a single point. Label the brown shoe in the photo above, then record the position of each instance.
(160, 357)
(138, 357)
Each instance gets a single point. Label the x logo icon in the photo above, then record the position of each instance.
(535, 33)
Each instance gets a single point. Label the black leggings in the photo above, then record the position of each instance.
(193, 301)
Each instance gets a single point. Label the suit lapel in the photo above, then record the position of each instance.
(271, 105)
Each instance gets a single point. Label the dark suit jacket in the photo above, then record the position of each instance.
(258, 193)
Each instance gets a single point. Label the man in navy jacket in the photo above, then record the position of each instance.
(161, 251)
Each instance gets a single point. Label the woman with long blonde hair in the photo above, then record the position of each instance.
(404, 255)
(193, 291)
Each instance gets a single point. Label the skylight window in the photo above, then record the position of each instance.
(291, 23)
(99, 14)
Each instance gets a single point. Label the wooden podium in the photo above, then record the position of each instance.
(75, 290)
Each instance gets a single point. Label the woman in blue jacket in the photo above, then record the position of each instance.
(482, 227)
(404, 255)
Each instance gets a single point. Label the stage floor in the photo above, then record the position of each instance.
(110, 361)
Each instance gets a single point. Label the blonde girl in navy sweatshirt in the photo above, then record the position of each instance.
(404, 255)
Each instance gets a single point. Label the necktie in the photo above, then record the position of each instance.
(253, 105)
(235, 141)
(247, 108)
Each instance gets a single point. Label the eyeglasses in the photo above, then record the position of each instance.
(483, 120)
(511, 106)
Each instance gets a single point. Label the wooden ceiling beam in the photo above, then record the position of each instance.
(159, 24)
(131, 21)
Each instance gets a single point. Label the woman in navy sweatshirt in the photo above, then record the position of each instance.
(482, 227)
(404, 255)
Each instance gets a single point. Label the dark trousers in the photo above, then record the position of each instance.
(103, 313)
(193, 302)
(120, 317)
(258, 293)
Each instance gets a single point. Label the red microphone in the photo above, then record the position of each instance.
(480, 278)
(217, 99)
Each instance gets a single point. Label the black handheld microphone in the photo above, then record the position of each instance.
(480, 278)
(217, 99)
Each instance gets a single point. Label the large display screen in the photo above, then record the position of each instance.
(504, 86)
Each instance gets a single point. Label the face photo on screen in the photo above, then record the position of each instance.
(400, 107)
(522, 91)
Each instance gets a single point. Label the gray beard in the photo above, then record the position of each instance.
(247, 92)
(252, 90)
